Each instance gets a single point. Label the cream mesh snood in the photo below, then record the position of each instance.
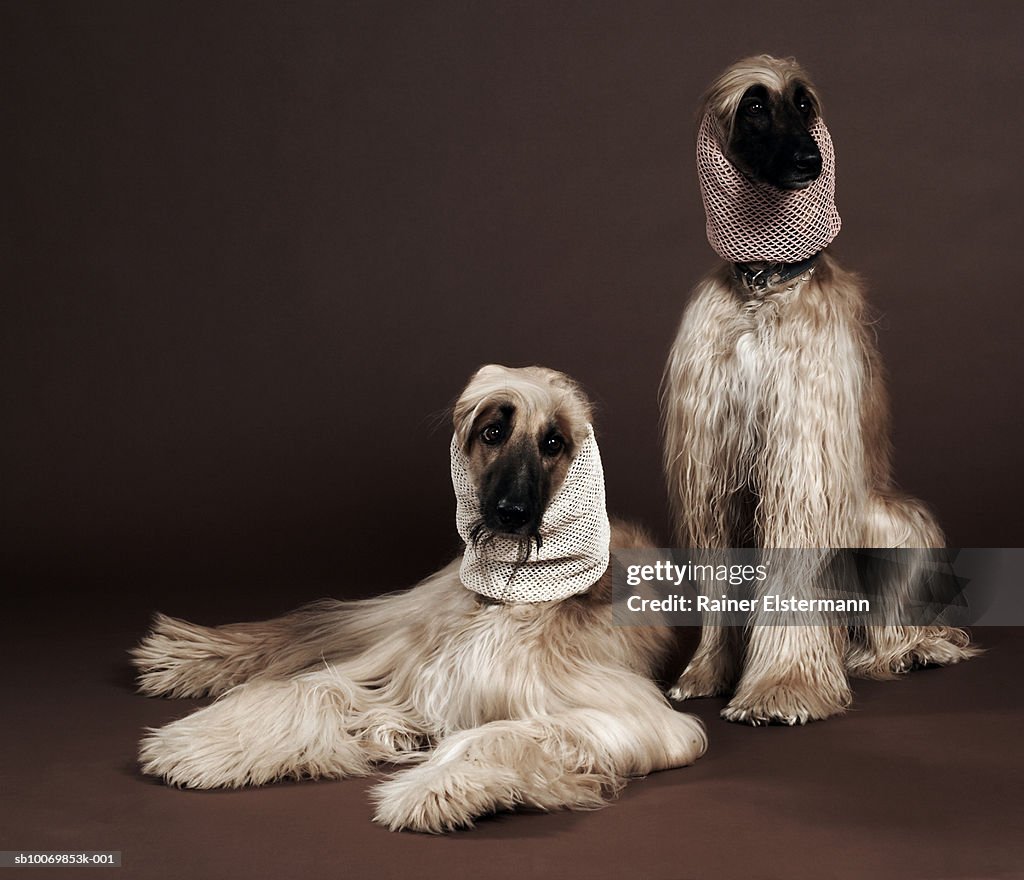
(575, 536)
(750, 222)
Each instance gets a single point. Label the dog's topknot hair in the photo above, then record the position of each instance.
(723, 96)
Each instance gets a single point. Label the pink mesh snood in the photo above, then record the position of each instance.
(752, 222)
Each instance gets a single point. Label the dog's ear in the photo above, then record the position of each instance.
(464, 420)
(463, 416)
(467, 408)
(574, 407)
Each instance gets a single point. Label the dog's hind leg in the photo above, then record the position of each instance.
(323, 723)
(884, 652)
(181, 659)
(575, 759)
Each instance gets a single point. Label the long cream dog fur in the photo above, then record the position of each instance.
(776, 434)
(543, 705)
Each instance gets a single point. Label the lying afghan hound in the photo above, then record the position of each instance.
(774, 405)
(501, 677)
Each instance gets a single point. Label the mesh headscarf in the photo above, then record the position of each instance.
(752, 222)
(575, 536)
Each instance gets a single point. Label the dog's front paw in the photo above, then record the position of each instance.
(436, 799)
(784, 704)
(181, 659)
(700, 679)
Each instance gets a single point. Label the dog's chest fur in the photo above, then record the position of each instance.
(789, 352)
(486, 665)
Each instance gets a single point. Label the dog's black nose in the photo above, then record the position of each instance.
(807, 160)
(512, 513)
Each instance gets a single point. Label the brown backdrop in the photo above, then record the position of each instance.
(255, 250)
(252, 250)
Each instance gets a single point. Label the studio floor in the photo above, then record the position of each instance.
(922, 779)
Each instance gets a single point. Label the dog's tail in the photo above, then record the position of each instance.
(182, 659)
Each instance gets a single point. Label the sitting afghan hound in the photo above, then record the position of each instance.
(500, 677)
(774, 405)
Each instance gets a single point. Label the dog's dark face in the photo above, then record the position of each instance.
(520, 429)
(517, 463)
(771, 141)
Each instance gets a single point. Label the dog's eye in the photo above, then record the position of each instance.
(492, 434)
(552, 445)
(753, 108)
(804, 106)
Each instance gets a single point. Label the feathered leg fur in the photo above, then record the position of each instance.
(573, 759)
(776, 435)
